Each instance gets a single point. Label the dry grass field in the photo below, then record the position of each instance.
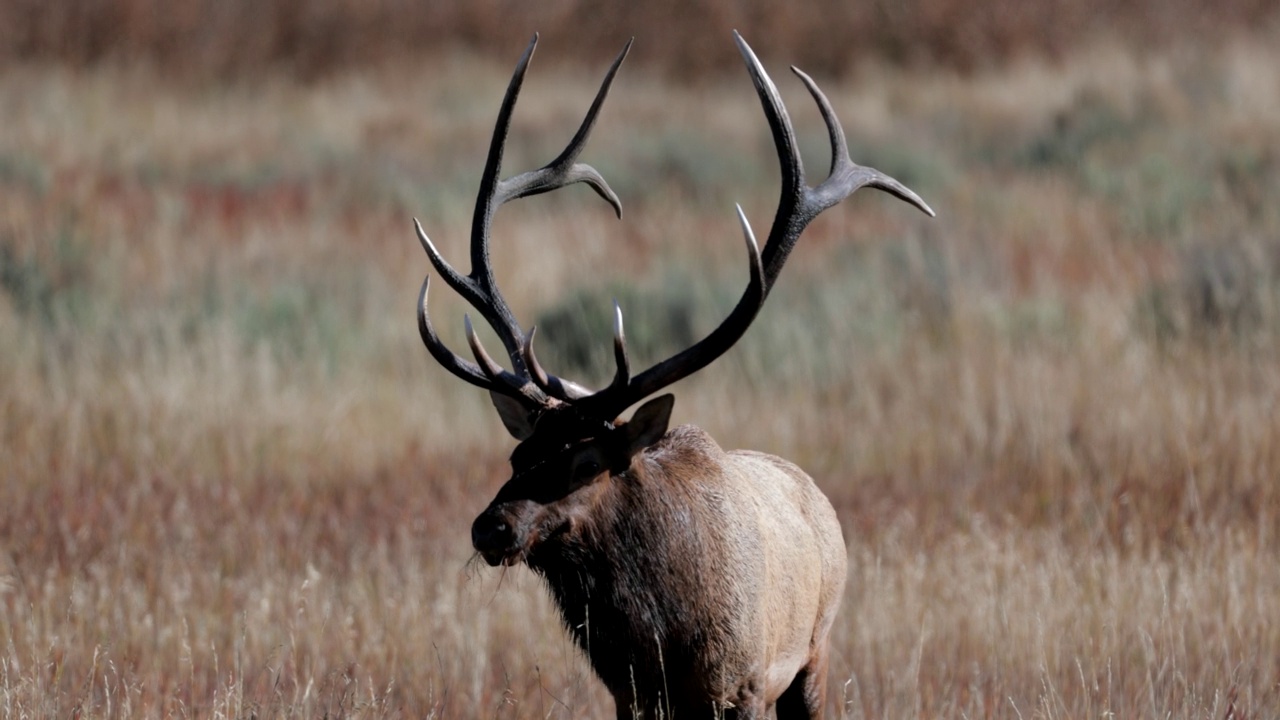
(232, 483)
(319, 38)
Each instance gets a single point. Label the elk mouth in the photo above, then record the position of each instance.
(505, 558)
(501, 540)
(520, 549)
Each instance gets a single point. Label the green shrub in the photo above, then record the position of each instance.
(1226, 290)
(50, 288)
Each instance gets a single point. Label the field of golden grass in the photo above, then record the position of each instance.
(232, 483)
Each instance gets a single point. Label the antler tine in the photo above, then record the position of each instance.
(784, 140)
(564, 170)
(567, 390)
(623, 374)
(488, 375)
(798, 204)
(461, 284)
(617, 397)
(846, 176)
(558, 388)
(459, 366)
(491, 369)
(536, 372)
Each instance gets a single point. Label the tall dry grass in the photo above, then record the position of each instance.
(234, 485)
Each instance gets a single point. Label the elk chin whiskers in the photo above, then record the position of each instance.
(474, 565)
(506, 558)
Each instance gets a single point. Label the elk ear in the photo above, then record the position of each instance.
(649, 423)
(514, 415)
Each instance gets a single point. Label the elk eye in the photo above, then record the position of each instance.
(586, 470)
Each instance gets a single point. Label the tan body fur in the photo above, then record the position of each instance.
(722, 596)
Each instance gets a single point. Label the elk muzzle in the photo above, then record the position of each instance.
(499, 536)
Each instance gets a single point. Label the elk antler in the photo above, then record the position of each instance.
(479, 287)
(798, 205)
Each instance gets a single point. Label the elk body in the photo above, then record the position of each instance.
(700, 583)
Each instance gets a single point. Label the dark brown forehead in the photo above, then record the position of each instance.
(556, 430)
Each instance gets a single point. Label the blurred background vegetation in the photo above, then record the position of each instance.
(681, 38)
(233, 484)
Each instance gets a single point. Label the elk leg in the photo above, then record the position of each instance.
(803, 698)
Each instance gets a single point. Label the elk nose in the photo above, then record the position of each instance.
(490, 532)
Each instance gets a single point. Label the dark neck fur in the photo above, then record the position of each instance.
(621, 582)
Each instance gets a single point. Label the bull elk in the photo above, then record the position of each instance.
(701, 583)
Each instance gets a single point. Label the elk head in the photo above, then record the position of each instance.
(557, 480)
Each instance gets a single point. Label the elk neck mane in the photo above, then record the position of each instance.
(654, 529)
